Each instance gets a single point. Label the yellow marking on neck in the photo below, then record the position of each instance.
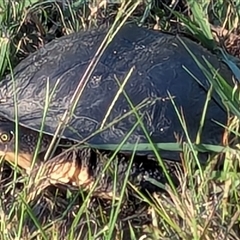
(24, 160)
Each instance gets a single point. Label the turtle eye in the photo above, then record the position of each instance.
(5, 137)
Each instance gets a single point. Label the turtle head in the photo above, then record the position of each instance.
(19, 140)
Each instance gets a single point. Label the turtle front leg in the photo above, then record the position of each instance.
(93, 171)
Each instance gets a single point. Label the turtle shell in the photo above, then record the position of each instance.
(159, 62)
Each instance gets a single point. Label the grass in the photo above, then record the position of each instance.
(206, 204)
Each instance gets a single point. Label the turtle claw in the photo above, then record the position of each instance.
(36, 189)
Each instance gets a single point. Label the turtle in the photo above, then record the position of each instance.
(162, 71)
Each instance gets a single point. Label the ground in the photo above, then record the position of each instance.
(208, 208)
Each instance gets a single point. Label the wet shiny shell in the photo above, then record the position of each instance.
(158, 59)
